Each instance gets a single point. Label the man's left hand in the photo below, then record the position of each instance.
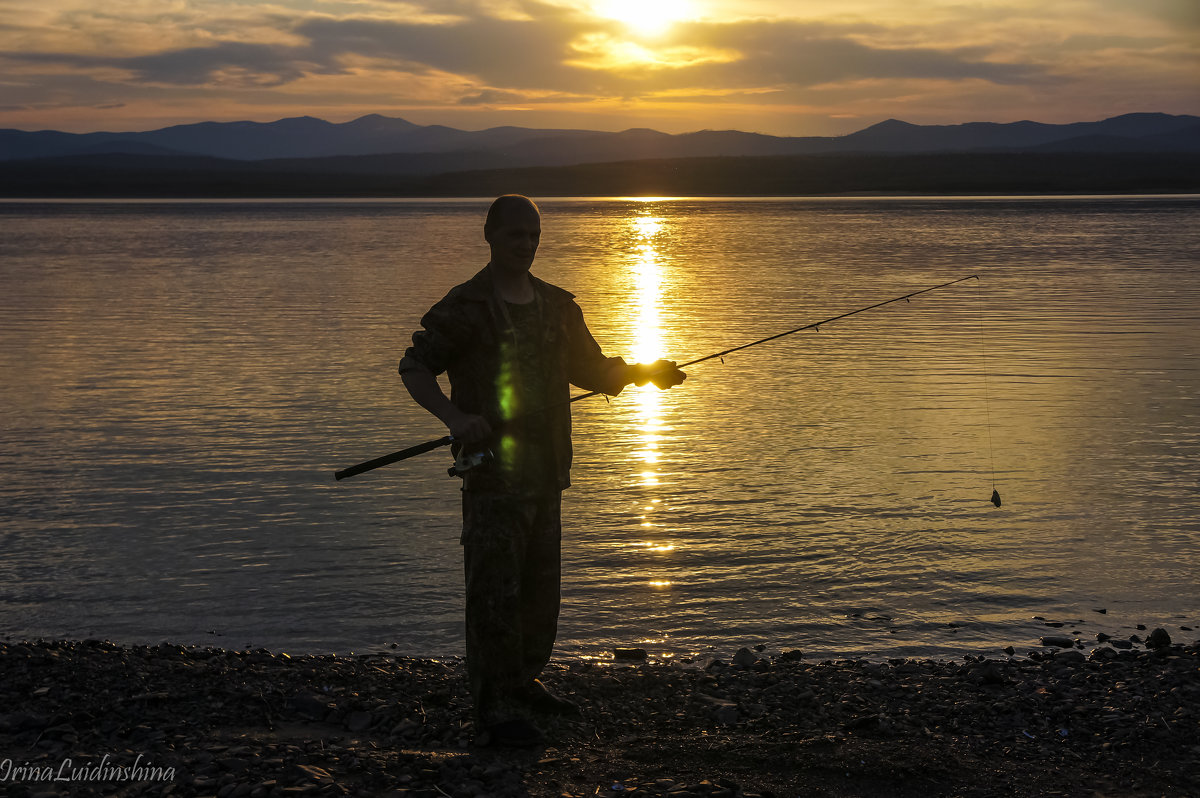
(663, 373)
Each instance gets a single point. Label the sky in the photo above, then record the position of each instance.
(783, 67)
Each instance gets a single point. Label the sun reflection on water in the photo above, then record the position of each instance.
(647, 271)
(647, 343)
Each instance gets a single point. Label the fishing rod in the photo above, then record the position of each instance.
(816, 325)
(446, 440)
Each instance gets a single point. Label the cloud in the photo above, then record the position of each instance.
(493, 97)
(225, 63)
(1096, 43)
(256, 64)
(810, 54)
(504, 53)
(501, 97)
(560, 54)
(561, 51)
(1176, 13)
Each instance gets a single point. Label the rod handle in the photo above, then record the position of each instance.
(394, 457)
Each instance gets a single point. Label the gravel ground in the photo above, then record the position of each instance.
(94, 718)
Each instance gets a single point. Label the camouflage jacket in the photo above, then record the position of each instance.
(516, 375)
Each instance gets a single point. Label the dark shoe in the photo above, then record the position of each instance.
(539, 699)
(515, 733)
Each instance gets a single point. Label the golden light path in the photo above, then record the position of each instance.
(648, 344)
(647, 347)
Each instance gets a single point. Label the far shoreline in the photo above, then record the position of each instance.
(404, 199)
(946, 173)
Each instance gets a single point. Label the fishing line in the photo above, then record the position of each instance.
(987, 410)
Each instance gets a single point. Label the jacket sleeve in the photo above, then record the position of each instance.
(445, 332)
(587, 367)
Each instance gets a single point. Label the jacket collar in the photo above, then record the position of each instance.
(480, 288)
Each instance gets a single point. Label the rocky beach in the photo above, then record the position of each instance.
(95, 718)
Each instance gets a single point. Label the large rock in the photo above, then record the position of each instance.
(1158, 639)
(1058, 641)
(744, 658)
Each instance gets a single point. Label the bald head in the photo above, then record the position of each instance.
(513, 229)
(504, 207)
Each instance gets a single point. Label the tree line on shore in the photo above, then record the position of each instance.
(840, 174)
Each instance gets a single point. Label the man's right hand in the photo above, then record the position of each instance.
(466, 428)
(469, 428)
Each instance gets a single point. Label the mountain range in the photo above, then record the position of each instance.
(433, 149)
(381, 156)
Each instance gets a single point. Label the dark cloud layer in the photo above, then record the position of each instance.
(808, 54)
(505, 53)
(268, 64)
(1178, 13)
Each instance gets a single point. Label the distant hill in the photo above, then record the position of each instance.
(1136, 132)
(434, 149)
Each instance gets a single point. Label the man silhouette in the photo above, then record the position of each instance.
(512, 346)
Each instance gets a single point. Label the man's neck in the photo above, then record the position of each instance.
(514, 287)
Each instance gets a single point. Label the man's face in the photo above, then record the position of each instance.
(514, 241)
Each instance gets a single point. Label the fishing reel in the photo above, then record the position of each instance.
(467, 460)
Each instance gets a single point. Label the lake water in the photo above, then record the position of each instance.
(180, 380)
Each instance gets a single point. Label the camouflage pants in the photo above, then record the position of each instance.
(511, 557)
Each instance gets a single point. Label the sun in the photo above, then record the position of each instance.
(647, 17)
